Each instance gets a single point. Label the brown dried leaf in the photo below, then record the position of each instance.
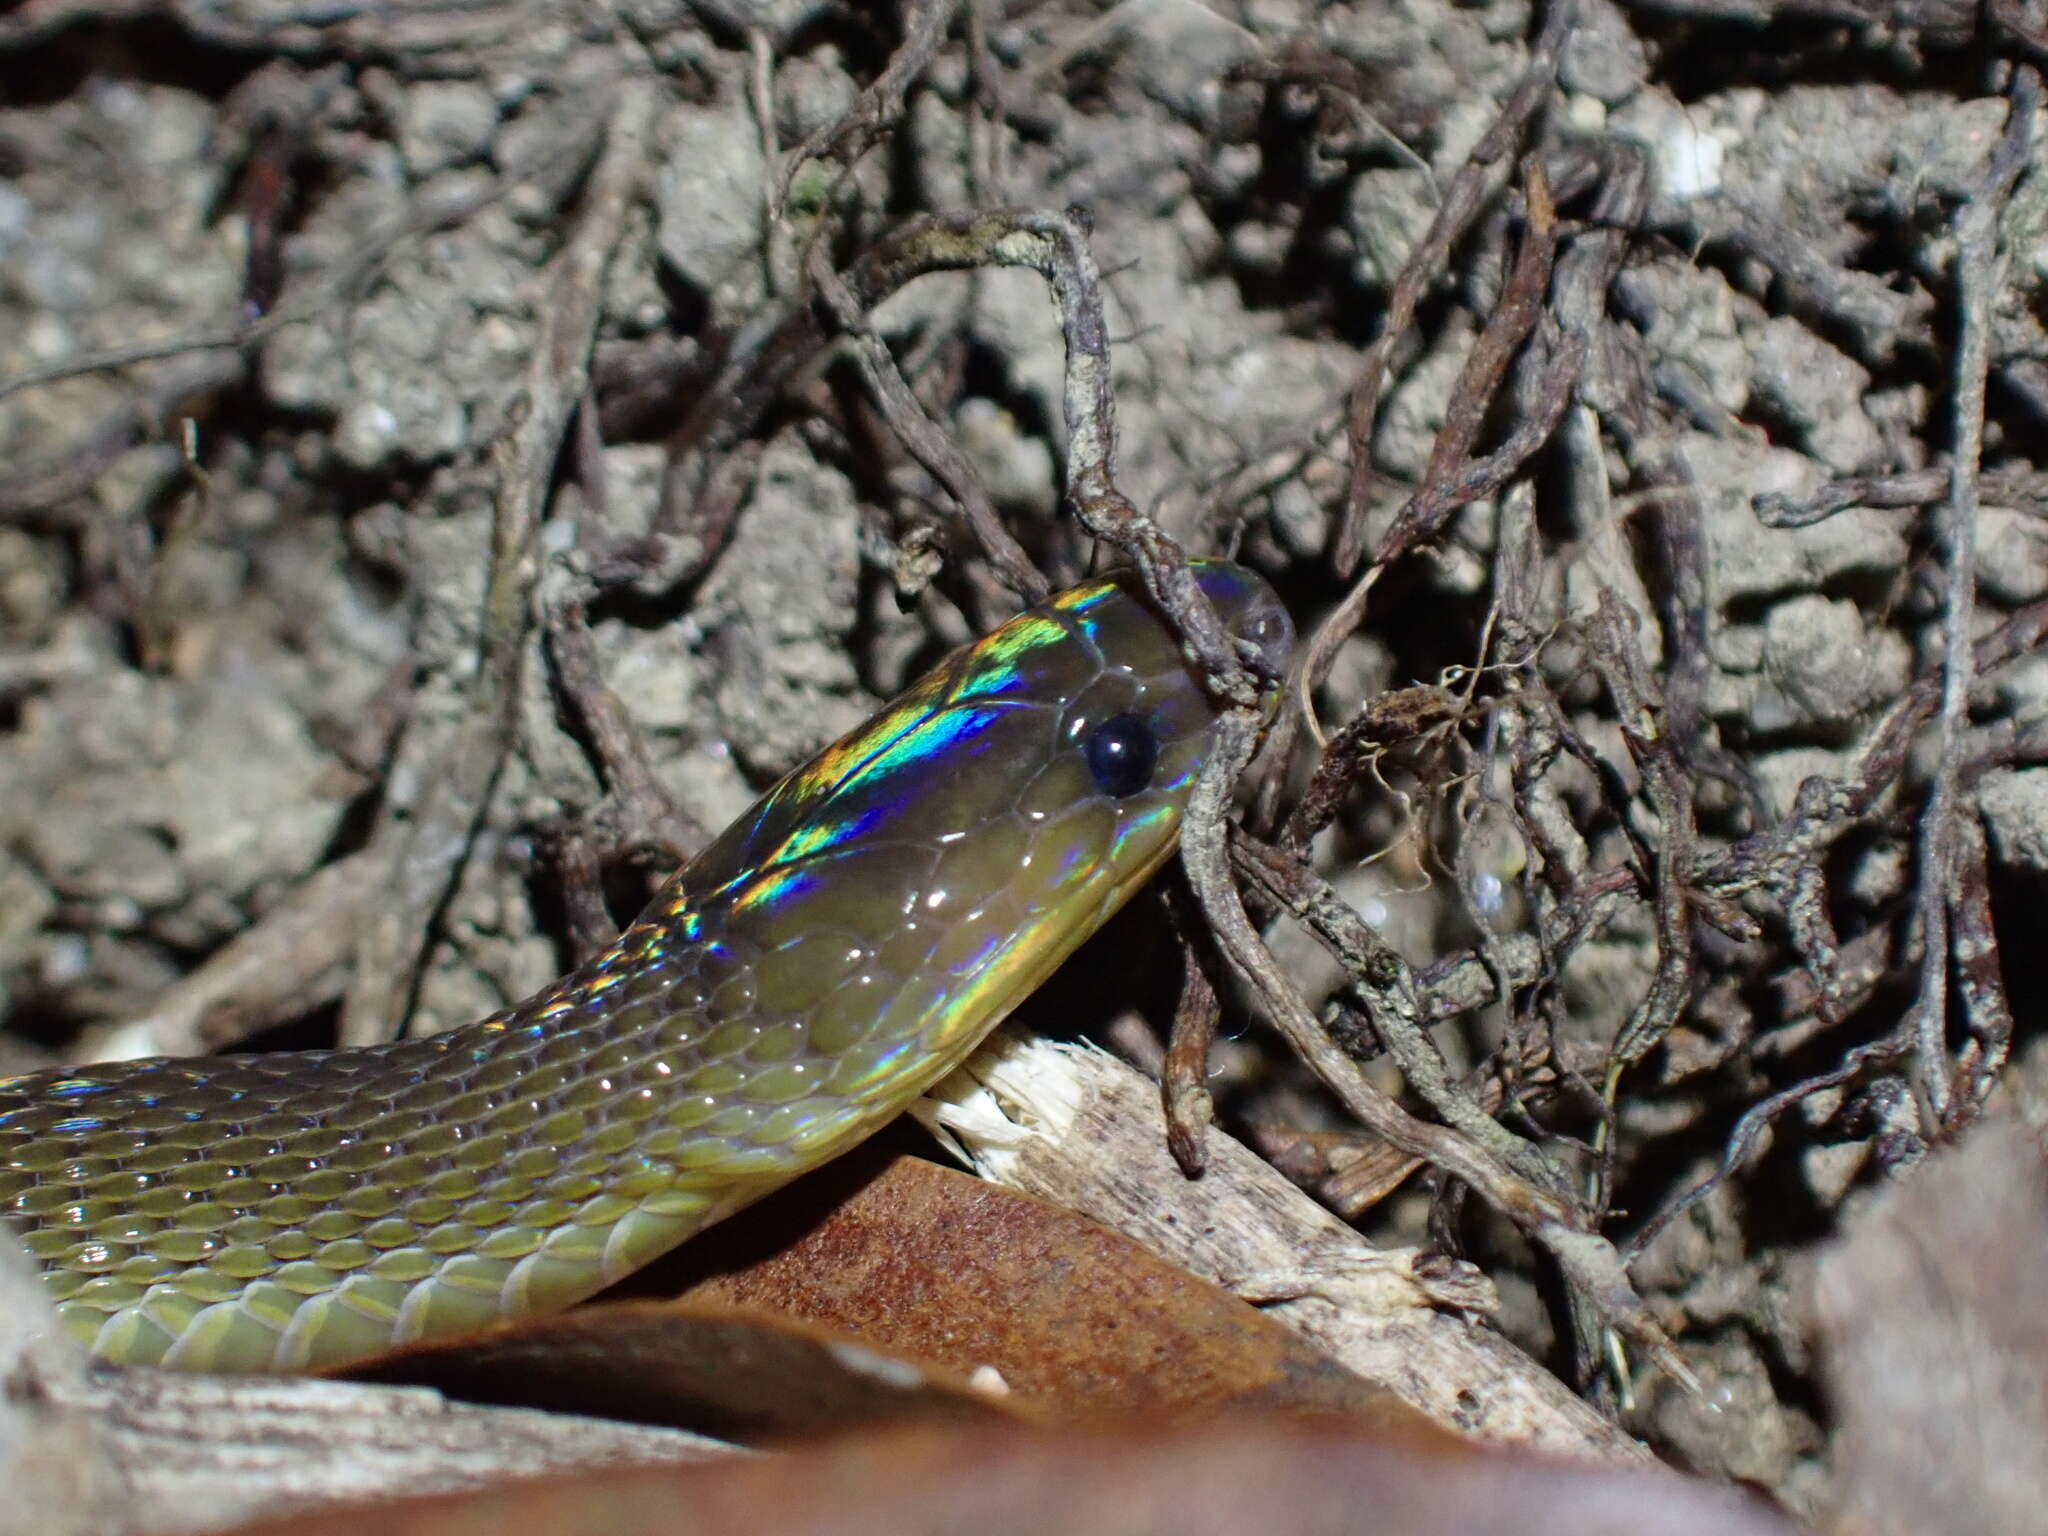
(929, 1262)
(1934, 1311)
(1305, 1479)
(734, 1372)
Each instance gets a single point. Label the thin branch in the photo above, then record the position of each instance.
(393, 946)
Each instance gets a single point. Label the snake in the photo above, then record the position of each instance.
(847, 942)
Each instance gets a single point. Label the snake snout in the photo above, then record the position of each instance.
(1251, 610)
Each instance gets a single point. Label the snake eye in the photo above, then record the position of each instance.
(1121, 753)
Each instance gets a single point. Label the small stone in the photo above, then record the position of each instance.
(1828, 665)
(2014, 802)
(366, 435)
(709, 195)
(445, 123)
(1177, 51)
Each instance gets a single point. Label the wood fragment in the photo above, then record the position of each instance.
(1077, 1127)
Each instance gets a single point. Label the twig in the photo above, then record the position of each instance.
(1514, 317)
(1082, 1129)
(1461, 203)
(1184, 1076)
(1879, 318)
(144, 412)
(927, 442)
(1909, 488)
(391, 949)
(1749, 1131)
(1669, 791)
(880, 107)
(638, 815)
(1588, 1261)
(1978, 978)
(1980, 274)
(1824, 808)
(289, 962)
(1453, 480)
(1392, 1002)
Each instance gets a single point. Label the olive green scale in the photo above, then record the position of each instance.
(845, 944)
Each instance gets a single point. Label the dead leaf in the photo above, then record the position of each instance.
(1253, 1479)
(929, 1262)
(1934, 1313)
(734, 1372)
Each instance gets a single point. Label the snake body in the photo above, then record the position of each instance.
(831, 955)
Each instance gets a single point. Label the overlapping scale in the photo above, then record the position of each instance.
(825, 960)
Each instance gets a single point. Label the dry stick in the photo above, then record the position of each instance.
(641, 811)
(1823, 810)
(1878, 319)
(2024, 490)
(1669, 791)
(144, 413)
(637, 814)
(1679, 527)
(926, 441)
(1479, 477)
(1513, 319)
(1184, 1075)
(392, 948)
(1978, 978)
(1391, 998)
(1980, 274)
(1461, 983)
(702, 484)
(1529, 728)
(1893, 16)
(686, 534)
(880, 107)
(1452, 480)
(635, 811)
(987, 120)
(1802, 891)
(1458, 983)
(1862, 964)
(1055, 245)
(283, 963)
(1588, 1261)
(1520, 734)
(1388, 720)
(1749, 1131)
(1339, 83)
(1081, 1129)
(290, 961)
(1462, 201)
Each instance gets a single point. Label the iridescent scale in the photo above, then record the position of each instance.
(834, 953)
